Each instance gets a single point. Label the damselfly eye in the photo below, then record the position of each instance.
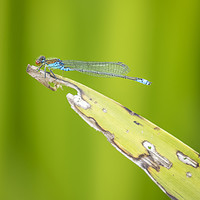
(37, 62)
(42, 58)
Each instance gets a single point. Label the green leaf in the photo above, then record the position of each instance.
(170, 163)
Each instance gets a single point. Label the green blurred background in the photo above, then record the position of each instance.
(47, 151)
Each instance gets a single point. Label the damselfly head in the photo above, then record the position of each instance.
(40, 60)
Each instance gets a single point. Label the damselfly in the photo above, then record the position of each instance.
(103, 69)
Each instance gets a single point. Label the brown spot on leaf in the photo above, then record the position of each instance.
(157, 128)
(131, 112)
(137, 123)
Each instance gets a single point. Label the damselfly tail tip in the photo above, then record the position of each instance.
(143, 81)
(148, 83)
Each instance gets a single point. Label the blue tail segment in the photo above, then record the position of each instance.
(143, 81)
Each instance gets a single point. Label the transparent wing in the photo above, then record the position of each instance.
(105, 69)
